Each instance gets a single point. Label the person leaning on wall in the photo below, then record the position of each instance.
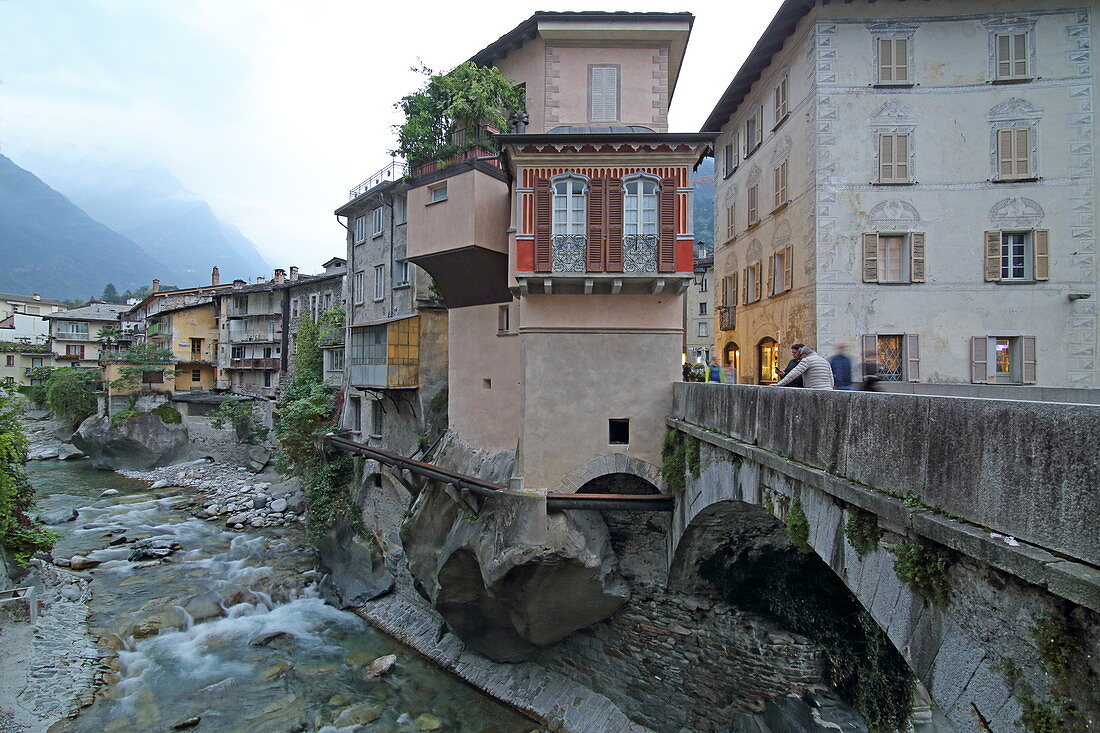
(796, 356)
(813, 368)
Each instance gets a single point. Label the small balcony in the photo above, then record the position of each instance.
(252, 337)
(254, 363)
(392, 172)
(73, 336)
(385, 355)
(727, 317)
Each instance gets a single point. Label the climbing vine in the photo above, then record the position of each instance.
(70, 393)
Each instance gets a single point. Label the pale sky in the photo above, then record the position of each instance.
(272, 109)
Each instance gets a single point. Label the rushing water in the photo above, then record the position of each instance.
(266, 653)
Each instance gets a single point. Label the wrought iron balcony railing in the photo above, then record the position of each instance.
(727, 317)
(640, 253)
(392, 172)
(567, 252)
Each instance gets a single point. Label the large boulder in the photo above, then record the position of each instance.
(142, 441)
(357, 566)
(511, 578)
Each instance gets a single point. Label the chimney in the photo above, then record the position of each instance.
(156, 286)
(238, 283)
(38, 296)
(293, 272)
(260, 280)
(280, 275)
(215, 276)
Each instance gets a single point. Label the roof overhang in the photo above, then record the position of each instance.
(468, 275)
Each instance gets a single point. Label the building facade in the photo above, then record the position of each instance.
(251, 329)
(190, 333)
(310, 297)
(75, 333)
(698, 310)
(915, 181)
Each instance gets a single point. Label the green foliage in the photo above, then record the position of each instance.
(1059, 648)
(798, 527)
(449, 114)
(241, 416)
(807, 598)
(168, 414)
(36, 393)
(308, 358)
(41, 373)
(19, 534)
(923, 567)
(325, 480)
(1038, 717)
(70, 393)
(691, 454)
(140, 359)
(18, 347)
(862, 531)
(111, 294)
(306, 412)
(126, 414)
(674, 465)
(694, 372)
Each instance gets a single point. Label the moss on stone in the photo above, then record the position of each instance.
(923, 567)
(862, 530)
(168, 414)
(691, 454)
(798, 527)
(674, 464)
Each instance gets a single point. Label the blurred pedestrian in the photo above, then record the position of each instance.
(796, 356)
(714, 370)
(870, 372)
(813, 367)
(842, 368)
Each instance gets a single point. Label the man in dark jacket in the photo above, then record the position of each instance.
(842, 368)
(796, 356)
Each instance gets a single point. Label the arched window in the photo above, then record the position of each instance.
(640, 204)
(570, 193)
(768, 353)
(731, 359)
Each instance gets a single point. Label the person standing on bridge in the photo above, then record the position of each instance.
(714, 370)
(815, 370)
(842, 368)
(796, 356)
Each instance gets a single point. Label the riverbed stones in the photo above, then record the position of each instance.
(79, 562)
(279, 505)
(428, 722)
(258, 458)
(278, 669)
(68, 452)
(108, 492)
(203, 606)
(57, 516)
(379, 667)
(359, 715)
(142, 441)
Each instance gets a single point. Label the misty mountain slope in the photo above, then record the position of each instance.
(50, 246)
(173, 225)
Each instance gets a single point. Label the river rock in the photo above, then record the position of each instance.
(142, 441)
(159, 484)
(512, 578)
(236, 519)
(357, 566)
(79, 562)
(203, 606)
(47, 452)
(819, 711)
(427, 721)
(258, 457)
(56, 516)
(67, 451)
(275, 670)
(359, 715)
(379, 667)
(259, 501)
(108, 492)
(278, 506)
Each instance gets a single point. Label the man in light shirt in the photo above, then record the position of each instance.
(814, 370)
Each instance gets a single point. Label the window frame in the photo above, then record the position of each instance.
(1028, 254)
(752, 194)
(640, 226)
(360, 226)
(504, 319)
(904, 256)
(1012, 77)
(376, 221)
(433, 193)
(894, 136)
(401, 270)
(781, 100)
(617, 113)
(1013, 138)
(780, 180)
(379, 282)
(581, 226)
(400, 210)
(359, 287)
(753, 142)
(893, 40)
(702, 330)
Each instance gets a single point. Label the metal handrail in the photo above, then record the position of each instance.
(392, 172)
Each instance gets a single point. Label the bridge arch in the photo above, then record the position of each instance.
(613, 464)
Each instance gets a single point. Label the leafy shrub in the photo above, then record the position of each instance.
(168, 414)
(923, 567)
(36, 393)
(19, 534)
(862, 531)
(70, 393)
(241, 416)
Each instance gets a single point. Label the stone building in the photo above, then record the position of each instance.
(75, 332)
(190, 333)
(915, 180)
(698, 310)
(25, 337)
(251, 336)
(309, 298)
(393, 366)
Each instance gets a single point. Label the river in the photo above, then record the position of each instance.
(266, 653)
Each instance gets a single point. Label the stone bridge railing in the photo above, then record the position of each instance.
(1024, 469)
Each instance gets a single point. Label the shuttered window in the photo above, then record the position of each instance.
(781, 100)
(893, 157)
(731, 221)
(780, 271)
(1014, 154)
(1021, 256)
(570, 207)
(753, 134)
(892, 357)
(893, 258)
(893, 61)
(603, 92)
(1003, 360)
(729, 290)
(640, 206)
(727, 157)
(754, 213)
(752, 283)
(780, 184)
(1012, 56)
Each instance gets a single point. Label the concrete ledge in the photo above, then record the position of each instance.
(1076, 582)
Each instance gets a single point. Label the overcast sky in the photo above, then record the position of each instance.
(272, 109)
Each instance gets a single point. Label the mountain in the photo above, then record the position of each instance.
(703, 206)
(50, 246)
(152, 208)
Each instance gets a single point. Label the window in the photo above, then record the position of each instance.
(240, 304)
(893, 157)
(401, 273)
(377, 416)
(1020, 256)
(752, 283)
(768, 359)
(731, 221)
(1003, 360)
(781, 101)
(314, 307)
(9, 380)
(603, 93)
(36, 362)
(196, 375)
(781, 271)
(570, 206)
(891, 357)
(640, 205)
(1011, 57)
(702, 331)
(702, 309)
(1014, 154)
(437, 193)
(504, 319)
(75, 350)
(295, 307)
(753, 135)
(267, 352)
(355, 407)
(360, 229)
(236, 352)
(754, 214)
(334, 359)
(267, 378)
(376, 222)
(893, 61)
(893, 257)
(379, 282)
(72, 329)
(359, 276)
(730, 153)
(780, 179)
(9, 360)
(733, 358)
(618, 431)
(400, 210)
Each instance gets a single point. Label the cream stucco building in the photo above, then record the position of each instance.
(915, 180)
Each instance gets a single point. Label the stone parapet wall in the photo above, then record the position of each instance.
(1024, 469)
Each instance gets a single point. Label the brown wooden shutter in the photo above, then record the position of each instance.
(1041, 246)
(666, 217)
(597, 232)
(745, 287)
(614, 230)
(771, 275)
(1029, 372)
(788, 281)
(870, 348)
(1005, 159)
(733, 291)
(870, 257)
(542, 225)
(992, 256)
(912, 357)
(916, 257)
(979, 360)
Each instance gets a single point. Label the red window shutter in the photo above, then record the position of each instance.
(666, 217)
(597, 203)
(614, 230)
(542, 225)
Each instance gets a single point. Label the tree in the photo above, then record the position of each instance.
(455, 111)
(241, 416)
(19, 534)
(107, 336)
(110, 294)
(139, 360)
(70, 393)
